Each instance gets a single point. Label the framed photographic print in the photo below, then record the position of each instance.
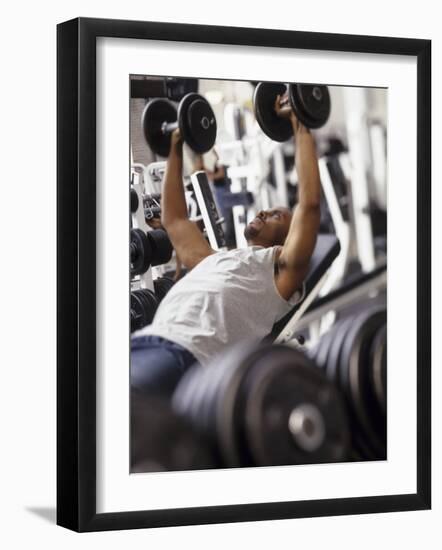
(226, 287)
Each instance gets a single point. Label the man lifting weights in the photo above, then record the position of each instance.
(227, 296)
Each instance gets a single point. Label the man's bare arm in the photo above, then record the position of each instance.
(299, 245)
(185, 236)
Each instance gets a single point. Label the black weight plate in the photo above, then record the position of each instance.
(140, 252)
(314, 116)
(227, 373)
(151, 303)
(234, 365)
(133, 200)
(154, 302)
(161, 247)
(315, 101)
(196, 396)
(320, 356)
(334, 351)
(155, 114)
(207, 408)
(143, 307)
(195, 400)
(161, 441)
(379, 367)
(354, 368)
(162, 285)
(283, 382)
(134, 321)
(264, 97)
(298, 108)
(137, 312)
(197, 123)
(206, 396)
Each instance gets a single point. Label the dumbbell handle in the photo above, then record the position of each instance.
(152, 212)
(169, 127)
(153, 196)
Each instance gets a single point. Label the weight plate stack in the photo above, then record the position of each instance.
(353, 354)
(265, 405)
(354, 376)
(161, 441)
(161, 247)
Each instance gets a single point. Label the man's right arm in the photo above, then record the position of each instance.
(185, 236)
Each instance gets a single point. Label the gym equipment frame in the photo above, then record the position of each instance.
(78, 467)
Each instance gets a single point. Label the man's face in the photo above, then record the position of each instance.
(269, 227)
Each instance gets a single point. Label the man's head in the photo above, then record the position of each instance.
(269, 228)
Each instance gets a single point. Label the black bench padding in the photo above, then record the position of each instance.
(326, 251)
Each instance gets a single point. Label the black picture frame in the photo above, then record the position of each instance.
(76, 273)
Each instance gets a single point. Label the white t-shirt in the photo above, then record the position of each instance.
(227, 298)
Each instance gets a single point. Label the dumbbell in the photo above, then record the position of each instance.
(195, 119)
(160, 440)
(148, 249)
(143, 305)
(264, 406)
(152, 206)
(310, 103)
(140, 252)
(161, 247)
(151, 212)
(353, 356)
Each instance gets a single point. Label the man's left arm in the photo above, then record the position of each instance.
(294, 260)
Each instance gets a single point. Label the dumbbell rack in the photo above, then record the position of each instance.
(145, 280)
(153, 175)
